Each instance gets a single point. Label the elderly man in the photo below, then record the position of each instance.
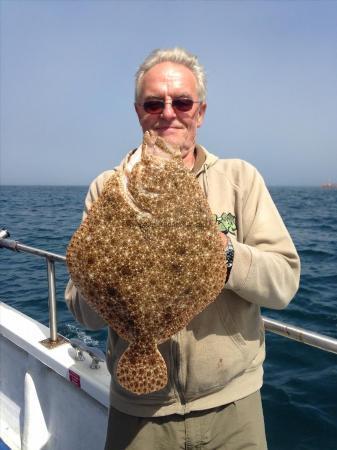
(212, 399)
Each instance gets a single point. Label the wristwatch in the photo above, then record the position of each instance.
(229, 255)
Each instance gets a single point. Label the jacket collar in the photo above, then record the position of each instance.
(203, 161)
(208, 160)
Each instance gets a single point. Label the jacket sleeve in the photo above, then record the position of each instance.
(266, 267)
(75, 301)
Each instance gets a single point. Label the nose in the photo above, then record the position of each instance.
(168, 111)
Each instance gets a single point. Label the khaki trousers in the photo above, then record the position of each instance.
(237, 426)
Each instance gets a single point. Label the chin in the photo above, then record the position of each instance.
(172, 138)
(176, 137)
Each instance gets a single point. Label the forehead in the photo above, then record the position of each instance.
(168, 79)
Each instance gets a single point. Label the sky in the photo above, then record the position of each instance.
(67, 84)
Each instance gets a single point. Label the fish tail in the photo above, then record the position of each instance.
(142, 371)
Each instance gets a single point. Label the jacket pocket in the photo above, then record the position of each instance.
(229, 323)
(213, 353)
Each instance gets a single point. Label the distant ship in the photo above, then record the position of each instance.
(329, 185)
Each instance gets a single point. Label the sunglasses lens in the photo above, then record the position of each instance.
(182, 104)
(157, 106)
(154, 106)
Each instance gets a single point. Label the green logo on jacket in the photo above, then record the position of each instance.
(226, 223)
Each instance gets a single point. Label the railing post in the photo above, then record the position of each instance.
(52, 300)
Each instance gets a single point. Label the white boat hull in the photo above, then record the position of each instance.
(40, 407)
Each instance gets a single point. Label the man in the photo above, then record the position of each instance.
(212, 399)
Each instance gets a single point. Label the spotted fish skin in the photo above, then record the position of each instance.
(148, 258)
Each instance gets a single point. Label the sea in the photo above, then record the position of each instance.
(300, 383)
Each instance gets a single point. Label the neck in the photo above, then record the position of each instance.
(189, 159)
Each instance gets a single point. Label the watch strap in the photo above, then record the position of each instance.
(229, 255)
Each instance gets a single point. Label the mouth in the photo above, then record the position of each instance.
(167, 128)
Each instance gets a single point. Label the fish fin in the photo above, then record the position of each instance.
(142, 372)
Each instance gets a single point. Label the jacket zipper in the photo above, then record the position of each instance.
(175, 354)
(176, 369)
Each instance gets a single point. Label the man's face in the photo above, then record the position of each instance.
(168, 81)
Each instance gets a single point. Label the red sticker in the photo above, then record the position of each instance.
(74, 378)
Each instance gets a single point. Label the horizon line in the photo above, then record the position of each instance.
(87, 185)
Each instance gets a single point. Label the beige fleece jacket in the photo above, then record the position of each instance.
(218, 357)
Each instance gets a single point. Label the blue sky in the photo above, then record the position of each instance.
(67, 83)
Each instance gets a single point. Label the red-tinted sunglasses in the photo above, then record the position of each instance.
(178, 104)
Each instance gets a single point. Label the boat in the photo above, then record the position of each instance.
(329, 186)
(55, 391)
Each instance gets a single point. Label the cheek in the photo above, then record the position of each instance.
(192, 126)
(187, 123)
(192, 123)
(147, 122)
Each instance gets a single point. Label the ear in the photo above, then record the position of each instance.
(201, 114)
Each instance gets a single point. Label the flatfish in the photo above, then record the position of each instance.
(148, 258)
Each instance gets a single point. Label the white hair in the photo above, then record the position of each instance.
(175, 55)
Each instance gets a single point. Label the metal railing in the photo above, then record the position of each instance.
(298, 334)
(50, 260)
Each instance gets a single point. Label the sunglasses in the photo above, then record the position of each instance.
(178, 104)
